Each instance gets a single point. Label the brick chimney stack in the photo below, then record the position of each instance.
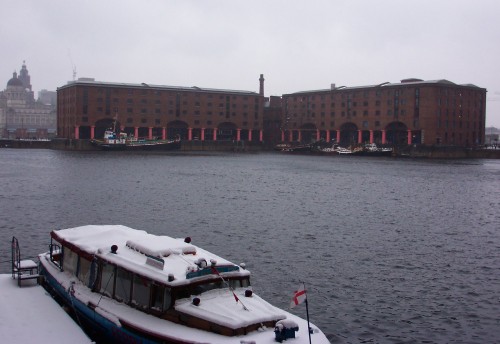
(261, 88)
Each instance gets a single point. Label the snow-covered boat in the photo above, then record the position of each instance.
(130, 286)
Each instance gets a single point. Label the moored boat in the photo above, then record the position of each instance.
(121, 141)
(295, 147)
(128, 285)
(372, 149)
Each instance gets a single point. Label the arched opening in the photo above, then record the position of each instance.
(177, 129)
(308, 133)
(104, 124)
(348, 134)
(84, 132)
(397, 133)
(226, 131)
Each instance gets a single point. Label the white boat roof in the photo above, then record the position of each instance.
(152, 256)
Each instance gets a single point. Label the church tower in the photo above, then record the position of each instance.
(25, 77)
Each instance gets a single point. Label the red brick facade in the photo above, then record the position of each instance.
(86, 108)
(410, 112)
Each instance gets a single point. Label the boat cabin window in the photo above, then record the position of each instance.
(140, 293)
(245, 282)
(161, 299)
(218, 284)
(123, 285)
(55, 253)
(70, 261)
(201, 288)
(107, 279)
(239, 283)
(127, 287)
(84, 270)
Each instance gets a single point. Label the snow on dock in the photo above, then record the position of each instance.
(30, 315)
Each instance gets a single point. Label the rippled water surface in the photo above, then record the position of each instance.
(392, 251)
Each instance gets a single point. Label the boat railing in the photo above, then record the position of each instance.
(22, 269)
(56, 255)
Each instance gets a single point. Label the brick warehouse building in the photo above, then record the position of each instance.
(411, 112)
(86, 108)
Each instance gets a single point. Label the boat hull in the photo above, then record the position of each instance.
(138, 145)
(99, 327)
(374, 153)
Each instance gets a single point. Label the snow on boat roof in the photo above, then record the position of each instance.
(149, 255)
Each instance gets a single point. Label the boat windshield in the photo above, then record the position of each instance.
(219, 284)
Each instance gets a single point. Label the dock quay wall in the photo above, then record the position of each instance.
(220, 146)
(429, 152)
(446, 152)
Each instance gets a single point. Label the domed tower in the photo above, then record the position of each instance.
(15, 81)
(25, 77)
(17, 91)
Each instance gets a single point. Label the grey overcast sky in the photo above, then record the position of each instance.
(297, 45)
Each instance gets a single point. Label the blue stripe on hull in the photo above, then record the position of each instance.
(104, 328)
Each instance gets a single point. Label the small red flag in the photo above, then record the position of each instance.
(299, 296)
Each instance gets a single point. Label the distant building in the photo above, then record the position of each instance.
(86, 108)
(492, 136)
(411, 112)
(47, 97)
(20, 115)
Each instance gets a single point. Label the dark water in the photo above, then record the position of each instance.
(392, 251)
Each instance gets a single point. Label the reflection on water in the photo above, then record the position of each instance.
(391, 250)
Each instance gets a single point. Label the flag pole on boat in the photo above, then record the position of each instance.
(214, 269)
(299, 296)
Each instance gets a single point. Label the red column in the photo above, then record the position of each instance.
(409, 136)
(238, 134)
(202, 136)
(317, 134)
(300, 135)
(371, 136)
(282, 136)
(150, 133)
(360, 136)
(383, 137)
(163, 133)
(215, 134)
(338, 136)
(77, 132)
(250, 135)
(328, 136)
(290, 135)
(136, 132)
(261, 135)
(190, 134)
